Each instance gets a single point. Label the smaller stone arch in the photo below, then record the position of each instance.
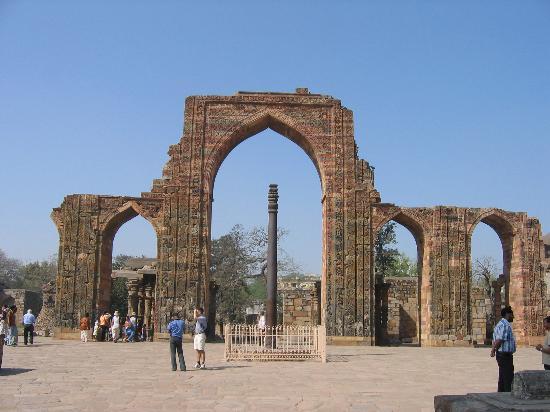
(112, 223)
(420, 233)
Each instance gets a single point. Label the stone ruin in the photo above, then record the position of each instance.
(179, 207)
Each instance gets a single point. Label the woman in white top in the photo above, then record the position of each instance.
(3, 333)
(545, 348)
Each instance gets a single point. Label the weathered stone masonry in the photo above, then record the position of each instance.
(179, 207)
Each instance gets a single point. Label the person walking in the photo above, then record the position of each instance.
(12, 326)
(545, 347)
(28, 326)
(199, 341)
(84, 327)
(176, 328)
(115, 326)
(504, 346)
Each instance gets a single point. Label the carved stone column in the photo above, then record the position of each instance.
(148, 304)
(132, 296)
(141, 300)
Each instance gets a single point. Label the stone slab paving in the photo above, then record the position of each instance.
(58, 375)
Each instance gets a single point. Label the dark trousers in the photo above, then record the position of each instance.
(103, 331)
(175, 345)
(547, 367)
(505, 371)
(28, 330)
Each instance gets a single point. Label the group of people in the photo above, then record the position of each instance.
(8, 328)
(176, 328)
(108, 328)
(504, 347)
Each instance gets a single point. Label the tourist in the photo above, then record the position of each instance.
(12, 326)
(104, 326)
(3, 333)
(504, 346)
(545, 347)
(96, 328)
(143, 336)
(28, 326)
(200, 337)
(261, 321)
(115, 326)
(84, 327)
(129, 329)
(175, 328)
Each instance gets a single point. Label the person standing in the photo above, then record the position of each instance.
(504, 346)
(199, 341)
(28, 326)
(94, 333)
(103, 326)
(545, 347)
(12, 326)
(84, 327)
(115, 326)
(176, 328)
(3, 332)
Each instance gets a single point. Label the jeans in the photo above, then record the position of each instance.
(175, 345)
(505, 363)
(28, 330)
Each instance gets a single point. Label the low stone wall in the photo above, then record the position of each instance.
(399, 310)
(301, 303)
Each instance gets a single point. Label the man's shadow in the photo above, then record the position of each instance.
(13, 371)
(219, 368)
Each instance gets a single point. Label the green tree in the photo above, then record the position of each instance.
(385, 254)
(119, 296)
(34, 275)
(404, 266)
(10, 276)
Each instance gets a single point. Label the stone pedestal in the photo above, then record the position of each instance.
(530, 392)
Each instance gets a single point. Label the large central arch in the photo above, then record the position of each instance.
(324, 130)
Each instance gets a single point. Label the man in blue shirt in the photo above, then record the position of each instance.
(176, 328)
(504, 346)
(28, 326)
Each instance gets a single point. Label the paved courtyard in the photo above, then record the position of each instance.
(69, 376)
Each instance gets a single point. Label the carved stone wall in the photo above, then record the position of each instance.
(179, 207)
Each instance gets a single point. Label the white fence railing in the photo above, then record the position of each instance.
(283, 342)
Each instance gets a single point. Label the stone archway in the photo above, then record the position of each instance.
(179, 205)
(319, 124)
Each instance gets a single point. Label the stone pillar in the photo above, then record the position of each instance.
(148, 305)
(132, 296)
(271, 300)
(141, 300)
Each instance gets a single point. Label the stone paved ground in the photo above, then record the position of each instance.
(70, 376)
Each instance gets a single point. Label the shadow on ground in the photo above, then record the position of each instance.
(13, 371)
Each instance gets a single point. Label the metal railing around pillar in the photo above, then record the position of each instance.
(282, 342)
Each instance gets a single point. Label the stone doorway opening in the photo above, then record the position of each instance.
(398, 309)
(261, 157)
(489, 281)
(127, 280)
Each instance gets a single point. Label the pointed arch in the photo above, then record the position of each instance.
(109, 229)
(252, 125)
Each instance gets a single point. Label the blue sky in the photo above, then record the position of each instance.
(451, 103)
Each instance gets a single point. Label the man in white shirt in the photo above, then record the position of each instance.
(28, 326)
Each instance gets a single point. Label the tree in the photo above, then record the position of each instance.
(35, 274)
(238, 266)
(385, 255)
(389, 261)
(484, 273)
(9, 271)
